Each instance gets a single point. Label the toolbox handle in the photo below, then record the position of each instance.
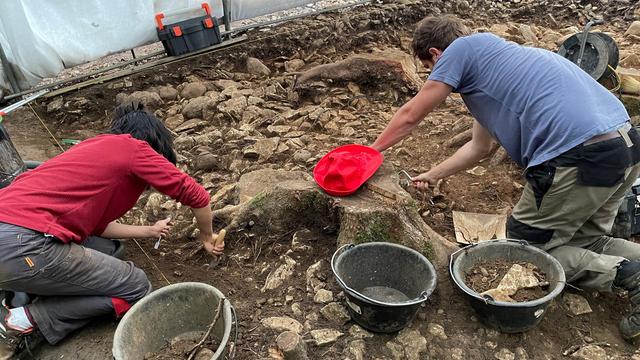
(160, 16)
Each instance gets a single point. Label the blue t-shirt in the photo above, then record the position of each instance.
(535, 103)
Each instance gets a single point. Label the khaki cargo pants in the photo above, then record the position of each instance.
(570, 203)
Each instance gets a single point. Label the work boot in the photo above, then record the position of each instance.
(15, 344)
(628, 278)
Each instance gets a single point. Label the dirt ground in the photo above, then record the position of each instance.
(302, 125)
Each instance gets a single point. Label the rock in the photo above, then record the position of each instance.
(457, 354)
(192, 124)
(325, 336)
(282, 323)
(193, 109)
(528, 34)
(577, 304)
(206, 162)
(234, 107)
(55, 105)
(412, 342)
(437, 331)
(356, 349)
(521, 354)
(504, 354)
(293, 65)
(204, 354)
(256, 67)
(634, 29)
(296, 310)
(357, 332)
(313, 281)
(193, 90)
(167, 93)
(262, 149)
(590, 352)
(323, 296)
(150, 100)
(397, 351)
(336, 313)
(277, 277)
(174, 121)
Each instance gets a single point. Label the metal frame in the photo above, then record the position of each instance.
(229, 32)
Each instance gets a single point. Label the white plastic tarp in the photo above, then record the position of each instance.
(42, 37)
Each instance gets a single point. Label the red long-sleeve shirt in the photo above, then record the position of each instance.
(79, 192)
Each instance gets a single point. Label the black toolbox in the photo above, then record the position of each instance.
(188, 35)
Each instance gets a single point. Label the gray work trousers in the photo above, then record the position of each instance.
(569, 205)
(73, 283)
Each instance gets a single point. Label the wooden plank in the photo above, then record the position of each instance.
(143, 67)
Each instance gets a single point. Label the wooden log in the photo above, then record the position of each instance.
(459, 139)
(390, 66)
(292, 346)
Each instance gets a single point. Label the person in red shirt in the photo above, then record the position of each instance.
(57, 222)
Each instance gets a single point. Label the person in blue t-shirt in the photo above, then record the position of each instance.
(570, 133)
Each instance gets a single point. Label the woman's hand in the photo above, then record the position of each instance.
(160, 228)
(213, 244)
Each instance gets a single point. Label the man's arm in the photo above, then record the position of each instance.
(478, 148)
(412, 113)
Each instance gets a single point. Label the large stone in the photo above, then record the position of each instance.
(207, 161)
(262, 149)
(528, 34)
(194, 107)
(150, 100)
(263, 180)
(193, 90)
(412, 342)
(168, 93)
(504, 354)
(437, 330)
(590, 352)
(325, 336)
(577, 304)
(277, 277)
(323, 296)
(301, 156)
(282, 323)
(634, 29)
(336, 313)
(293, 65)
(55, 105)
(234, 107)
(357, 332)
(356, 350)
(314, 282)
(174, 121)
(204, 354)
(256, 67)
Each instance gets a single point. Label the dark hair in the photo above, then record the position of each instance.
(132, 119)
(436, 32)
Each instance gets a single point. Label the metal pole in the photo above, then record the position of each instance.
(13, 81)
(226, 10)
(133, 53)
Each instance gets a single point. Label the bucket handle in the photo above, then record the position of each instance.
(422, 297)
(234, 322)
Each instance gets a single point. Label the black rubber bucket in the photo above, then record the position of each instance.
(11, 164)
(505, 316)
(601, 53)
(384, 283)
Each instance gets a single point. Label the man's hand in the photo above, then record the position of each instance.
(160, 228)
(424, 181)
(213, 244)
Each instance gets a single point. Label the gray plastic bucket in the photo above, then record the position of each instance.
(167, 313)
(383, 265)
(505, 316)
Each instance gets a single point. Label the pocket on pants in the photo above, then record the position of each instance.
(18, 261)
(540, 178)
(603, 164)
